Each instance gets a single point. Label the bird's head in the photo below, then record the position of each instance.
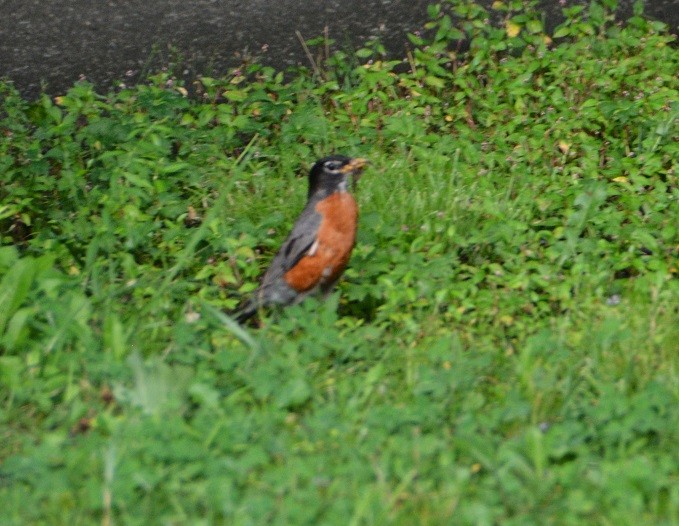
(331, 174)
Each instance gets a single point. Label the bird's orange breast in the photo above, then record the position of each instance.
(328, 257)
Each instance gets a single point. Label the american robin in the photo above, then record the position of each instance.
(315, 253)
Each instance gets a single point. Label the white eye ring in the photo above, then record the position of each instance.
(333, 166)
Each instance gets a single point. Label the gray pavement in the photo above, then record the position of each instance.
(52, 43)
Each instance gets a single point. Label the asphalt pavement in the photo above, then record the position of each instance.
(51, 43)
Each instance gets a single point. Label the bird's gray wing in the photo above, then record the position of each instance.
(298, 244)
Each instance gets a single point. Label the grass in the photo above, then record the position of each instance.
(502, 350)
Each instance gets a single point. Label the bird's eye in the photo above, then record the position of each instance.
(333, 166)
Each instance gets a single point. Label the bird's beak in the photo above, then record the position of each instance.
(355, 165)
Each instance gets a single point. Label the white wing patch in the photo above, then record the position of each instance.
(313, 248)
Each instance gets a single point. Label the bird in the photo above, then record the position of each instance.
(314, 255)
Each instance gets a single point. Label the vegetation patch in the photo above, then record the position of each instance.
(502, 349)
